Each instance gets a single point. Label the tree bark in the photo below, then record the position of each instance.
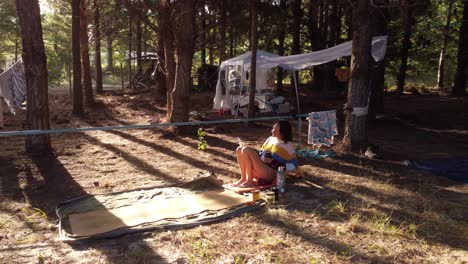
(380, 18)
(168, 37)
(355, 135)
(87, 84)
(405, 47)
(296, 39)
(212, 37)
(316, 39)
(138, 43)
(35, 69)
(222, 31)
(161, 88)
(184, 44)
(97, 40)
(459, 87)
(231, 30)
(253, 63)
(76, 57)
(281, 37)
(326, 78)
(110, 53)
(130, 34)
(203, 34)
(443, 50)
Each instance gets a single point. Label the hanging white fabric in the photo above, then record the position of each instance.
(266, 60)
(13, 86)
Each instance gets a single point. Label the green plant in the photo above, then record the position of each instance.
(201, 252)
(239, 259)
(40, 259)
(335, 208)
(202, 144)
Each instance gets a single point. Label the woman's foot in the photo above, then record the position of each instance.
(237, 183)
(246, 185)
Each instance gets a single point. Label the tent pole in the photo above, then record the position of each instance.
(240, 90)
(299, 124)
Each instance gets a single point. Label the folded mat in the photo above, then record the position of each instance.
(109, 215)
(248, 189)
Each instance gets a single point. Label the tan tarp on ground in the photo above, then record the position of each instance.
(102, 221)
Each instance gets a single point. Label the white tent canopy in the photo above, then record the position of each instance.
(266, 60)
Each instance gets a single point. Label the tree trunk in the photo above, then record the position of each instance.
(87, 84)
(459, 87)
(355, 135)
(379, 17)
(405, 47)
(281, 37)
(231, 30)
(211, 46)
(443, 50)
(35, 69)
(168, 38)
(296, 38)
(110, 53)
(184, 44)
(97, 40)
(76, 57)
(316, 40)
(253, 64)
(138, 44)
(130, 33)
(16, 48)
(296, 27)
(203, 34)
(222, 31)
(161, 88)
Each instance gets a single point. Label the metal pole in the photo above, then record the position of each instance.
(299, 124)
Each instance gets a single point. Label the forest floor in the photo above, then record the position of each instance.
(347, 209)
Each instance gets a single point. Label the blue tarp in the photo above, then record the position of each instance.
(314, 153)
(452, 168)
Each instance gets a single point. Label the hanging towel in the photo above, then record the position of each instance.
(18, 84)
(322, 128)
(13, 86)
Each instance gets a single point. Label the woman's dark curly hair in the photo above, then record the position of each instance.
(285, 130)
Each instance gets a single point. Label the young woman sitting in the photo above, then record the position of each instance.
(259, 168)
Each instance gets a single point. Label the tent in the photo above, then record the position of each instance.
(267, 61)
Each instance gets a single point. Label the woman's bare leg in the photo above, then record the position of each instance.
(251, 166)
(257, 168)
(241, 162)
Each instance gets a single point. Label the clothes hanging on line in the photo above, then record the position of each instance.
(322, 128)
(13, 86)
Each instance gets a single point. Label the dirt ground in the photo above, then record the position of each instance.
(348, 209)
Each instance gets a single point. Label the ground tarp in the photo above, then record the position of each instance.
(109, 215)
(452, 168)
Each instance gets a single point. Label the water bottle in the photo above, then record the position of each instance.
(280, 179)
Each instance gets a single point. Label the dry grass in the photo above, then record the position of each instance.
(346, 210)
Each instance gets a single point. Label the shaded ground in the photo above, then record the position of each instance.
(347, 209)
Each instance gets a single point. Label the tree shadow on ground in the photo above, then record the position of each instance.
(54, 184)
(426, 212)
(170, 152)
(138, 163)
(51, 185)
(9, 182)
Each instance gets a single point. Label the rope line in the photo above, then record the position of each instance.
(107, 128)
